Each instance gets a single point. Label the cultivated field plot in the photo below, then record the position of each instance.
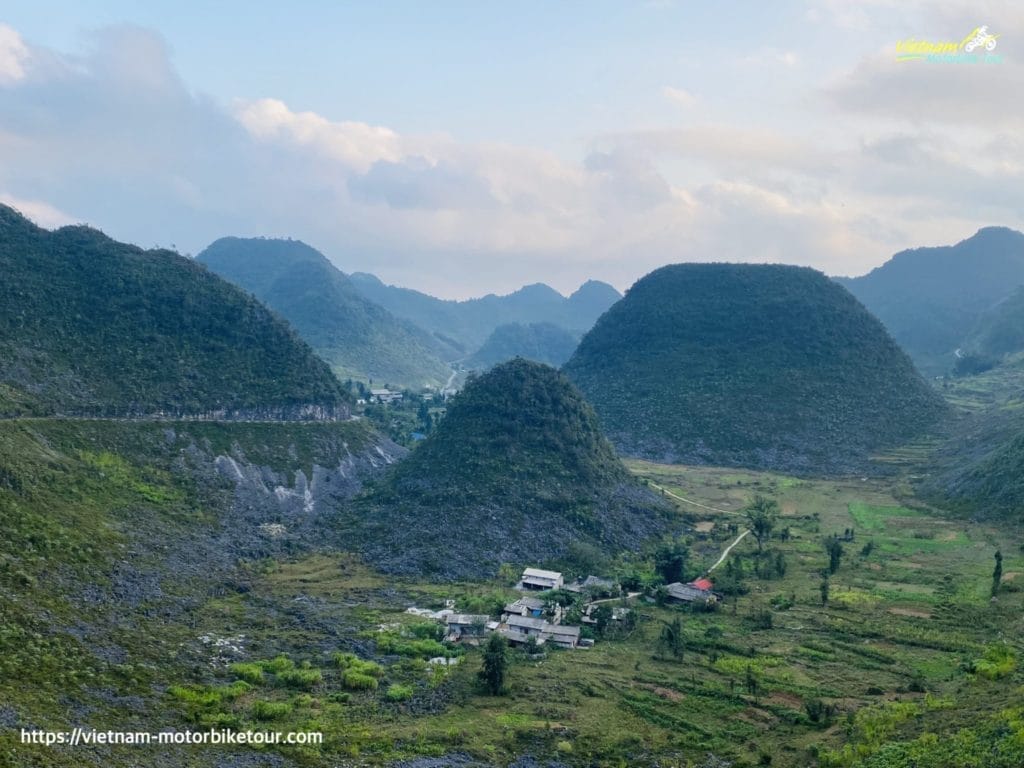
(909, 643)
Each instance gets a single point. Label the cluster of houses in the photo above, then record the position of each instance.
(529, 619)
(524, 620)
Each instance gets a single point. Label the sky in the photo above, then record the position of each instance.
(463, 148)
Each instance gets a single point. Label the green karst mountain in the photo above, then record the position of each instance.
(358, 338)
(517, 472)
(749, 365)
(541, 342)
(467, 324)
(931, 298)
(90, 326)
(1000, 331)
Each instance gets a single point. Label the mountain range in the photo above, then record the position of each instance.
(91, 326)
(358, 338)
(465, 325)
(931, 299)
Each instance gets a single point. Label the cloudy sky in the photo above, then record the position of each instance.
(466, 147)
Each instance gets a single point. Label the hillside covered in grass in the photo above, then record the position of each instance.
(749, 365)
(123, 545)
(90, 326)
(994, 485)
(540, 342)
(516, 472)
(359, 339)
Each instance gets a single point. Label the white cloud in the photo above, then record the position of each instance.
(14, 56)
(357, 145)
(679, 96)
(115, 136)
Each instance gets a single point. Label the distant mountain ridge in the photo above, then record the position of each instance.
(540, 342)
(467, 324)
(751, 365)
(90, 326)
(930, 299)
(358, 338)
(999, 331)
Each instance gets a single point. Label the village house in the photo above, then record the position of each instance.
(540, 580)
(519, 628)
(385, 396)
(525, 606)
(562, 635)
(465, 626)
(698, 591)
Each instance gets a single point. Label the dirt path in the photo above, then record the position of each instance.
(728, 549)
(676, 496)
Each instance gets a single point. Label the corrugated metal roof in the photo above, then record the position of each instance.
(526, 622)
(537, 573)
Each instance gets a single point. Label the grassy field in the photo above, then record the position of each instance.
(909, 644)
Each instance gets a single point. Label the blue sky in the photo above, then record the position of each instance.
(463, 148)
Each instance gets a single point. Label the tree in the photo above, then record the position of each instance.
(495, 666)
(752, 683)
(780, 565)
(602, 614)
(670, 560)
(761, 514)
(671, 640)
(824, 589)
(997, 574)
(834, 550)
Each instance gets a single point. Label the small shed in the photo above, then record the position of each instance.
(466, 625)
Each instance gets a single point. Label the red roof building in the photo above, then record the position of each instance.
(704, 584)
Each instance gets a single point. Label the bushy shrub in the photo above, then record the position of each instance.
(399, 692)
(998, 662)
(271, 710)
(358, 681)
(300, 678)
(352, 663)
(277, 665)
(250, 673)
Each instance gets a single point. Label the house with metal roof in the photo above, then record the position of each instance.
(526, 606)
(562, 635)
(690, 593)
(538, 579)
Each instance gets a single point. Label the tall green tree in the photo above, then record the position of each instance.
(824, 589)
(834, 550)
(761, 513)
(495, 667)
(671, 641)
(997, 574)
(670, 560)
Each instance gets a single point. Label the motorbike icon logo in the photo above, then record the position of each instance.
(980, 38)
